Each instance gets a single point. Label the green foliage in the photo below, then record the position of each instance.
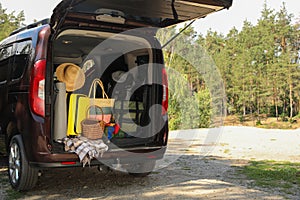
(283, 117)
(204, 105)
(258, 123)
(187, 109)
(259, 66)
(241, 118)
(9, 22)
(192, 111)
(292, 120)
(189, 99)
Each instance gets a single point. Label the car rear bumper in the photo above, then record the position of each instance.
(116, 156)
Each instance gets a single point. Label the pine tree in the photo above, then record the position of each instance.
(9, 22)
(287, 43)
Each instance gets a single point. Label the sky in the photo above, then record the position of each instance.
(240, 11)
(221, 21)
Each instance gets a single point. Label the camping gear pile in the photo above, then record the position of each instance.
(88, 117)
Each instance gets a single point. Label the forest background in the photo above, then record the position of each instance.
(258, 65)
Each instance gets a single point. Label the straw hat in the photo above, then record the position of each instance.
(71, 75)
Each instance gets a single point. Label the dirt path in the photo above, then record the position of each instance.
(189, 176)
(210, 178)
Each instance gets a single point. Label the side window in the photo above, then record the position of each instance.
(5, 55)
(21, 59)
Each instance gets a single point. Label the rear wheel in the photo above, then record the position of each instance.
(21, 175)
(141, 169)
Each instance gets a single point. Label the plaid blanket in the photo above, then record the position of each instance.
(86, 149)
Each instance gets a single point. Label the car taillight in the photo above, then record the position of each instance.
(165, 97)
(68, 163)
(37, 88)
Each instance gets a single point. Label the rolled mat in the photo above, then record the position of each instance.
(60, 112)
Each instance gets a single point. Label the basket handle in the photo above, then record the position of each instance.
(88, 109)
(93, 87)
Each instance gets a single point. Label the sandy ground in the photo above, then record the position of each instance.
(239, 142)
(199, 164)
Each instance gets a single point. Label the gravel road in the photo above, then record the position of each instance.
(199, 164)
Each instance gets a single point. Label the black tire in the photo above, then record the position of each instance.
(142, 169)
(21, 175)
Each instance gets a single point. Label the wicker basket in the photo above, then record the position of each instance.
(92, 128)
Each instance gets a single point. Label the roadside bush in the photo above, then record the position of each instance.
(283, 117)
(258, 123)
(192, 111)
(241, 118)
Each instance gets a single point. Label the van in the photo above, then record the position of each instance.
(85, 40)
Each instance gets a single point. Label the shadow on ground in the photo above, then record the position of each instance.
(190, 177)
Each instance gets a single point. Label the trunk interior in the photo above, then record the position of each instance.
(123, 63)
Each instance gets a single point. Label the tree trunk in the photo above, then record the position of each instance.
(291, 100)
(284, 105)
(275, 102)
(276, 109)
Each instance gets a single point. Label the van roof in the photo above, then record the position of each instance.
(33, 25)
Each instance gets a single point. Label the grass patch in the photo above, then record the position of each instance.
(185, 168)
(13, 194)
(226, 151)
(276, 125)
(263, 122)
(271, 174)
(224, 144)
(4, 184)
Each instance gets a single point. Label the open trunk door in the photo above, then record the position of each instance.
(138, 13)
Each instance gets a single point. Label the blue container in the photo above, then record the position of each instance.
(110, 131)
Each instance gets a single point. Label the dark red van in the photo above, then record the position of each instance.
(46, 65)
